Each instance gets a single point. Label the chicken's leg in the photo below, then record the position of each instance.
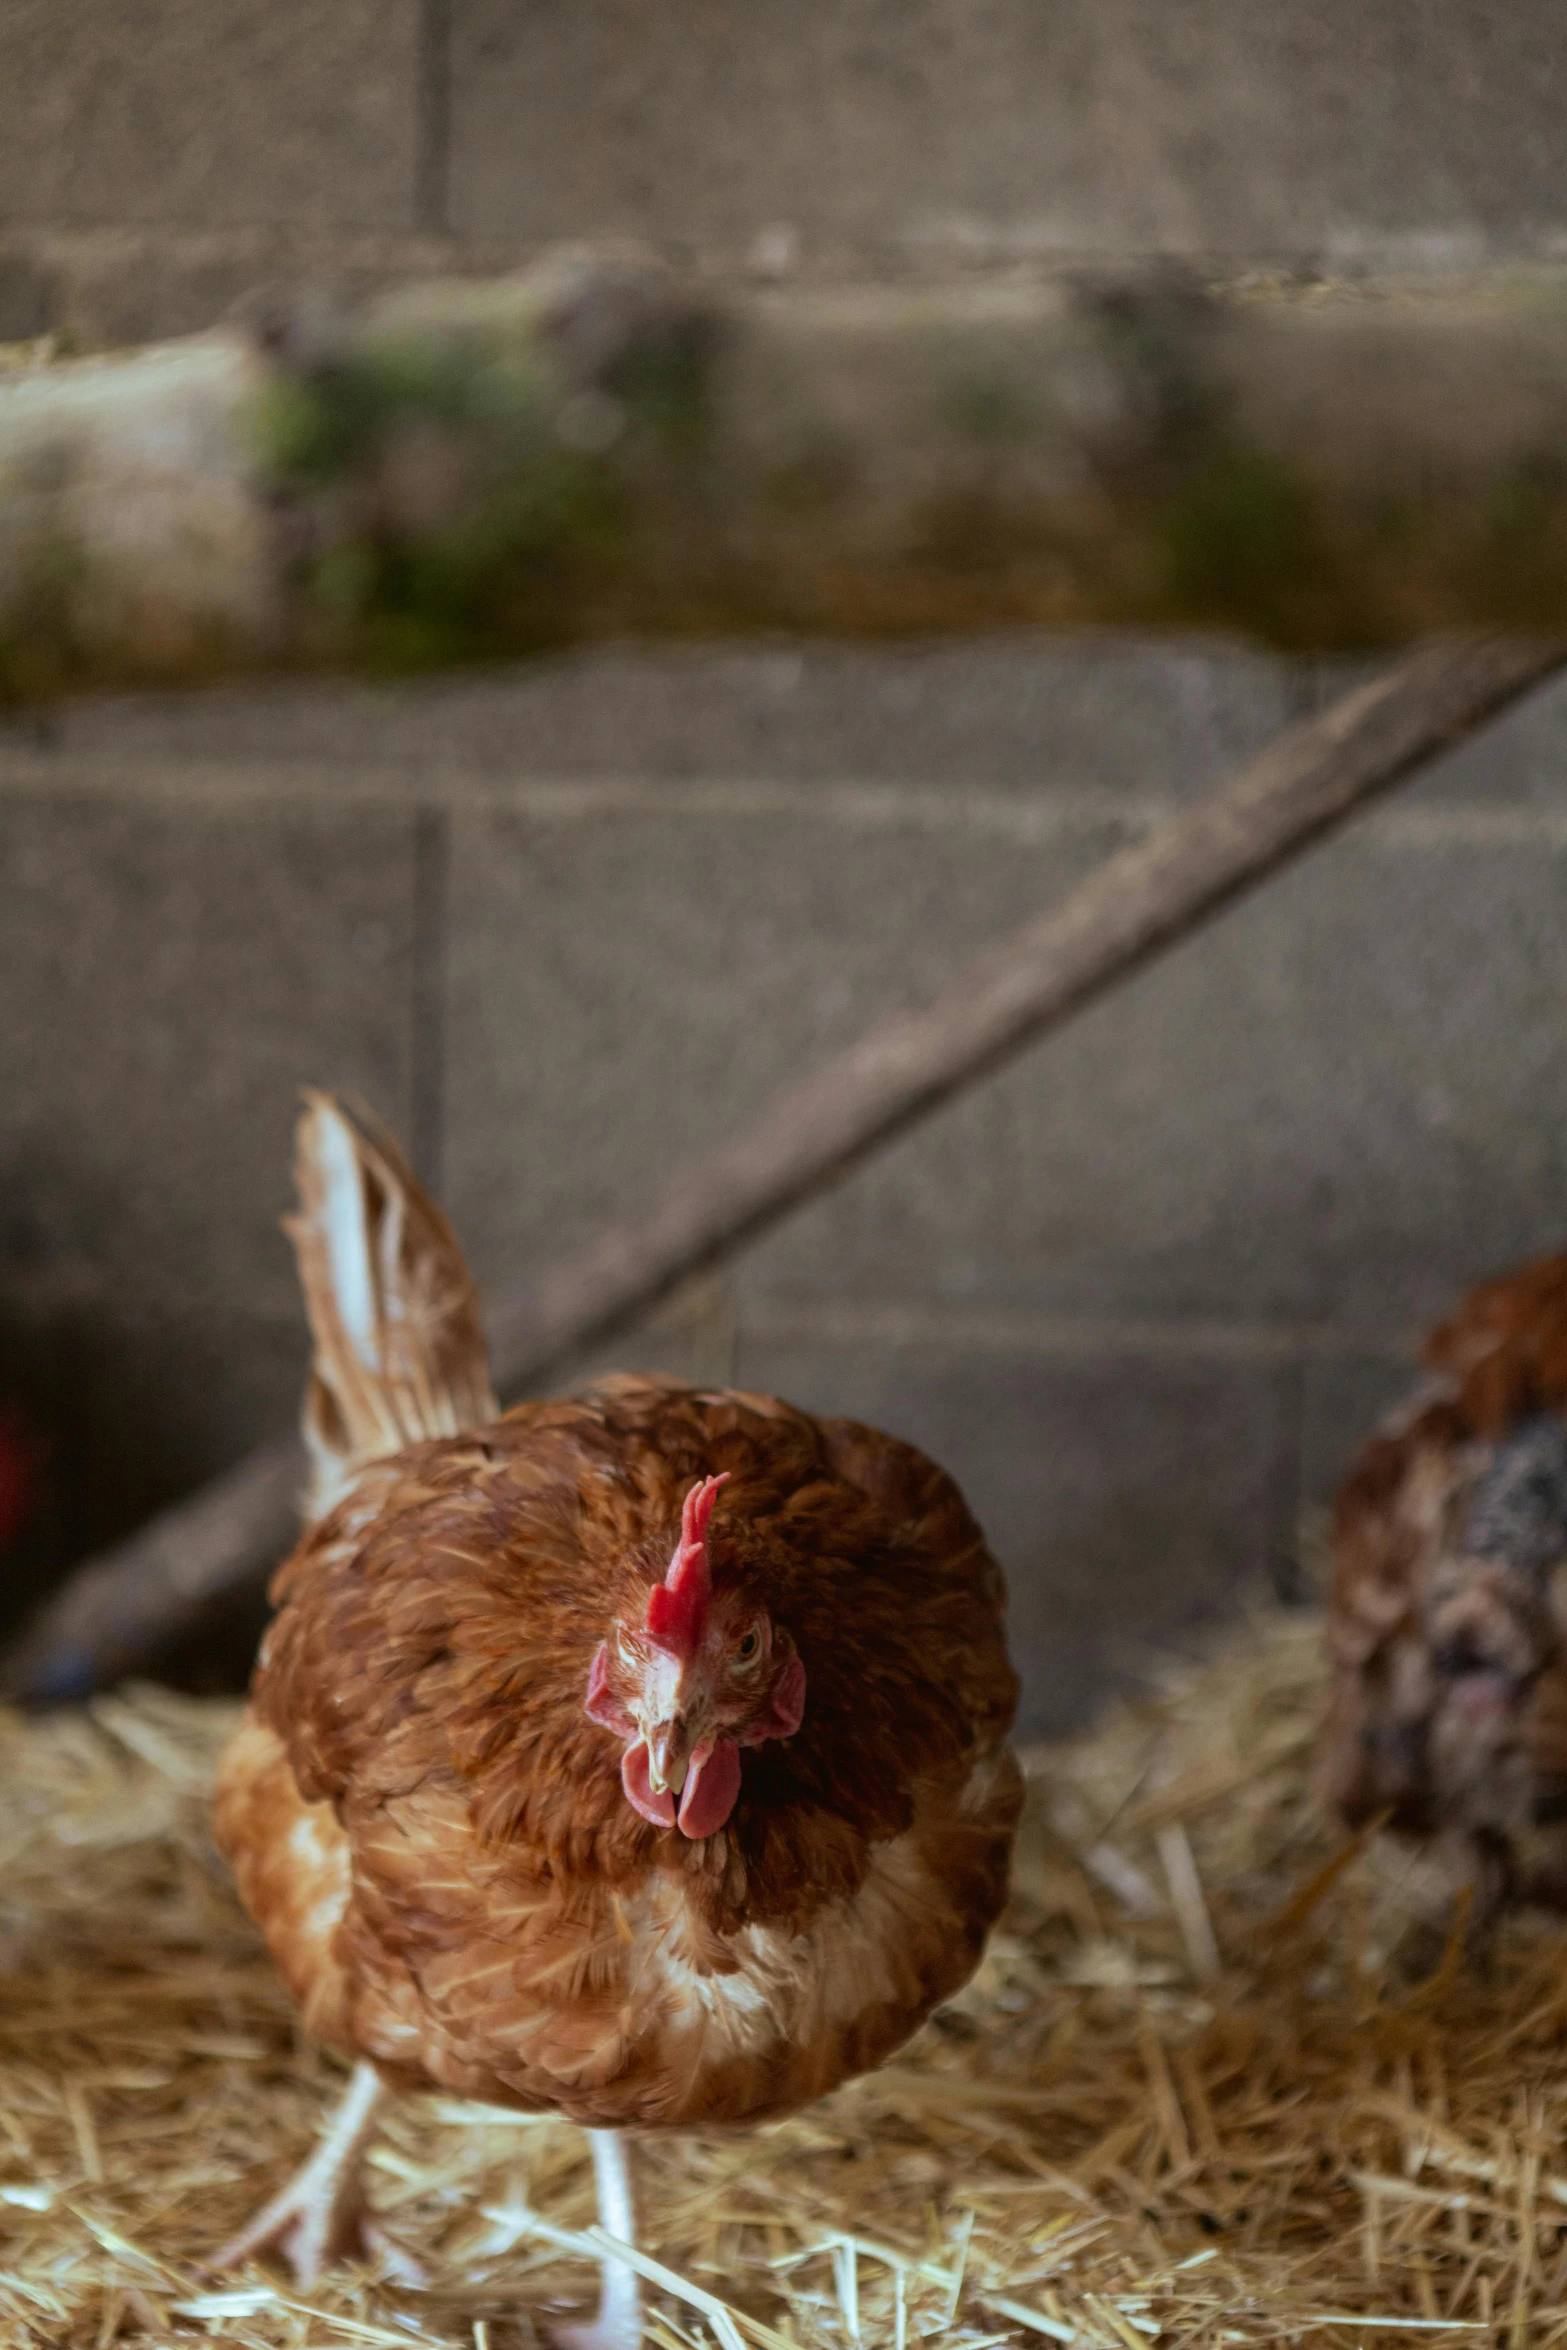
(618, 2325)
(320, 2215)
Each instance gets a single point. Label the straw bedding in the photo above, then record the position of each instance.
(1209, 2087)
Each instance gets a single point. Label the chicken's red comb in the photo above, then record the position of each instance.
(676, 1607)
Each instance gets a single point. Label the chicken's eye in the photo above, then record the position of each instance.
(748, 1648)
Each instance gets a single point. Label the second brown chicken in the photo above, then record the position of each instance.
(1449, 1603)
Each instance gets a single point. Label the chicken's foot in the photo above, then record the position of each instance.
(320, 2216)
(618, 2325)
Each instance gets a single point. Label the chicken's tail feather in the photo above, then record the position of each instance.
(399, 1351)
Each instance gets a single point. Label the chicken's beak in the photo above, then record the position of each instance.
(668, 1754)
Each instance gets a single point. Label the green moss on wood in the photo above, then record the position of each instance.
(492, 484)
(446, 497)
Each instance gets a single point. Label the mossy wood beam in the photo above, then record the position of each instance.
(468, 470)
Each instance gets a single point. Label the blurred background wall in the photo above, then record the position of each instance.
(567, 924)
(162, 156)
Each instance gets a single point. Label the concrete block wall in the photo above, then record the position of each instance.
(566, 925)
(160, 159)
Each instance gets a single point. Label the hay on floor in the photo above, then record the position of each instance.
(1188, 2101)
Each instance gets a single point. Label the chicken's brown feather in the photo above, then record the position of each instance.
(1449, 1708)
(516, 1930)
(394, 1315)
(1506, 1347)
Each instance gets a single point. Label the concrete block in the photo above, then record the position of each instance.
(1143, 1294)
(26, 298)
(1029, 712)
(161, 1401)
(1342, 1399)
(1340, 1103)
(1513, 766)
(629, 980)
(165, 1396)
(999, 128)
(174, 112)
(109, 285)
(693, 1336)
(176, 966)
(136, 1405)
(1129, 1499)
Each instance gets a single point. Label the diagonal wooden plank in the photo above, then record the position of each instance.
(112, 1614)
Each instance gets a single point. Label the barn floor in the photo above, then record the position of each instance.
(1198, 2095)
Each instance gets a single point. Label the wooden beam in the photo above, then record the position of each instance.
(117, 1610)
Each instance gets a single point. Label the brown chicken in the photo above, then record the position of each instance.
(641, 1756)
(1449, 1601)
